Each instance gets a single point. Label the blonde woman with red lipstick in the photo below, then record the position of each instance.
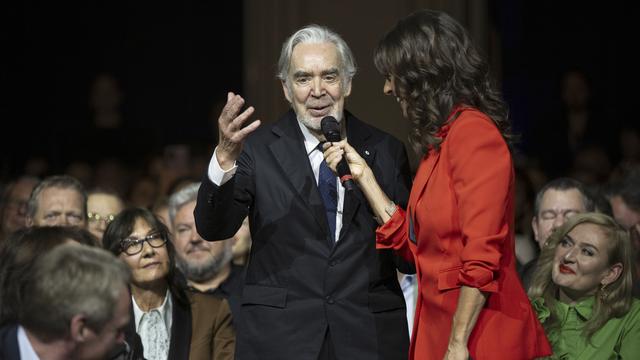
(582, 290)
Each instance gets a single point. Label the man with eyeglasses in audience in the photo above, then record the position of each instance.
(102, 208)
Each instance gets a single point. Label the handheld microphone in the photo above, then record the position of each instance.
(331, 130)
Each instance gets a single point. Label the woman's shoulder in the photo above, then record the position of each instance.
(471, 118)
(634, 309)
(631, 319)
(472, 127)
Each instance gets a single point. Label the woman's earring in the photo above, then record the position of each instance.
(603, 292)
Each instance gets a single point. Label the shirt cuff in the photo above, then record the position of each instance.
(215, 172)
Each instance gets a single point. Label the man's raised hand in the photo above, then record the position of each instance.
(231, 134)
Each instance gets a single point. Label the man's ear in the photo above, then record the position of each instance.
(28, 221)
(285, 89)
(347, 89)
(534, 227)
(78, 328)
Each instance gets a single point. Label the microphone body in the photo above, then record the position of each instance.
(331, 130)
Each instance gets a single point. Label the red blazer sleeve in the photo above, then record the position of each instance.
(393, 235)
(481, 175)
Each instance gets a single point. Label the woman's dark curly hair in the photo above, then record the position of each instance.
(436, 67)
(122, 226)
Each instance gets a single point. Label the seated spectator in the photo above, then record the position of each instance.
(58, 200)
(625, 203)
(74, 304)
(582, 290)
(13, 208)
(206, 265)
(555, 203)
(102, 208)
(20, 251)
(161, 210)
(171, 324)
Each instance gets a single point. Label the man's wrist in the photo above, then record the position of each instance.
(224, 160)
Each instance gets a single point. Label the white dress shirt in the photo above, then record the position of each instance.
(409, 286)
(166, 311)
(219, 176)
(24, 345)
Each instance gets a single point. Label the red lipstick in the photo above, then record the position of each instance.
(566, 270)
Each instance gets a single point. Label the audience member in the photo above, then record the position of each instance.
(74, 304)
(625, 205)
(161, 210)
(57, 200)
(20, 251)
(582, 290)
(206, 265)
(171, 323)
(625, 202)
(555, 203)
(13, 207)
(102, 208)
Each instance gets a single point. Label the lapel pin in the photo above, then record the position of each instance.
(366, 152)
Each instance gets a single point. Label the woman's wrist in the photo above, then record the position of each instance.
(366, 176)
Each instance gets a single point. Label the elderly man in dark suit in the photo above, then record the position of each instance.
(315, 286)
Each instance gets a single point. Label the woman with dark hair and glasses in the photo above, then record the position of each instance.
(172, 324)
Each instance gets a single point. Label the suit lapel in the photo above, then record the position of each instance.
(419, 184)
(357, 135)
(9, 347)
(291, 155)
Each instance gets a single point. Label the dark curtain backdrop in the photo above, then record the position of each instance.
(172, 61)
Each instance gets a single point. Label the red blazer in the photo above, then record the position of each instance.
(461, 212)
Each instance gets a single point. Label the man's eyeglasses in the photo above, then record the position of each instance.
(132, 246)
(95, 217)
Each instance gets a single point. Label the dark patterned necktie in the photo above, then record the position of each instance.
(328, 190)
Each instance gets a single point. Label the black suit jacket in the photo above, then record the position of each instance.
(297, 282)
(9, 349)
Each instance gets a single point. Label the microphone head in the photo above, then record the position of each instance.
(330, 128)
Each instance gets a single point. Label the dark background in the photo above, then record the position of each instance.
(173, 62)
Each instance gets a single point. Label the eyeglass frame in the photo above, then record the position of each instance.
(127, 243)
(93, 216)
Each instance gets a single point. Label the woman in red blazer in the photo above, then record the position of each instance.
(458, 226)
